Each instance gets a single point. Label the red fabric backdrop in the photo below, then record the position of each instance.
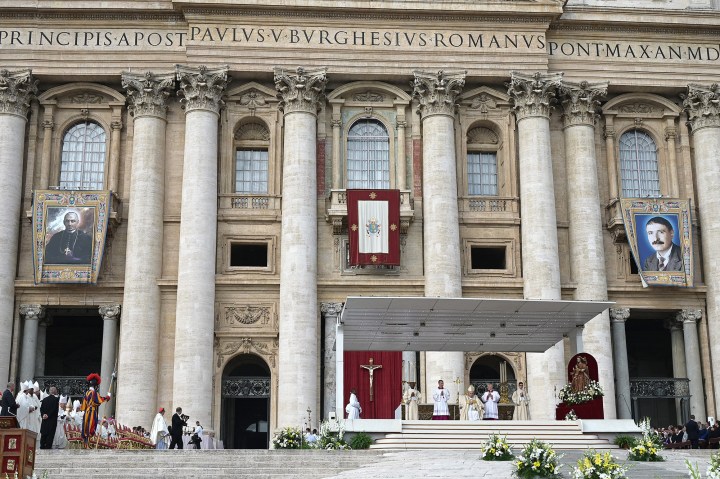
(387, 382)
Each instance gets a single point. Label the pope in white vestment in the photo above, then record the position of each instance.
(34, 418)
(353, 408)
(470, 406)
(159, 430)
(522, 401)
(490, 398)
(441, 396)
(411, 399)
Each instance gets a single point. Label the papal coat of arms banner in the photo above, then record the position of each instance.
(69, 230)
(660, 235)
(374, 227)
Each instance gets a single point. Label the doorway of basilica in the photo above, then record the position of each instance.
(245, 409)
(486, 369)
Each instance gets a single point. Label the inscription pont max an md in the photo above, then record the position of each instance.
(357, 38)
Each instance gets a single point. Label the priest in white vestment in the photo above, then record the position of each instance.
(521, 400)
(24, 404)
(411, 399)
(34, 418)
(77, 414)
(353, 408)
(60, 440)
(441, 396)
(490, 398)
(471, 408)
(159, 430)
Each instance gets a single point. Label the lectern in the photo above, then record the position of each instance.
(17, 449)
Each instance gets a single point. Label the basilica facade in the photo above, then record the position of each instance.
(227, 133)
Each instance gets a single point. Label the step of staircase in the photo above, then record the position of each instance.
(187, 464)
(563, 435)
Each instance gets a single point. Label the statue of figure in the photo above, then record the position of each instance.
(580, 377)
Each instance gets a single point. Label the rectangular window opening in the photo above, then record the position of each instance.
(487, 257)
(249, 255)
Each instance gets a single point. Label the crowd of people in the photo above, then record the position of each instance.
(697, 433)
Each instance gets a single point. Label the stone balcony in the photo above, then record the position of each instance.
(336, 211)
(483, 209)
(248, 206)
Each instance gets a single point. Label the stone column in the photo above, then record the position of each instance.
(48, 127)
(532, 97)
(587, 253)
(140, 329)
(202, 90)
(689, 318)
(110, 314)
(702, 104)
(40, 347)
(337, 170)
(32, 314)
(114, 159)
(401, 160)
(331, 312)
(618, 316)
(677, 342)
(437, 94)
(301, 95)
(16, 89)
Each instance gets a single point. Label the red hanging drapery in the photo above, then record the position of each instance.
(387, 382)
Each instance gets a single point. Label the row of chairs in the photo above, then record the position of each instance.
(126, 439)
(713, 443)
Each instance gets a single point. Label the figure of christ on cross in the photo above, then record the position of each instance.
(371, 369)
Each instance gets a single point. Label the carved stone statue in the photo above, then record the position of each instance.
(580, 377)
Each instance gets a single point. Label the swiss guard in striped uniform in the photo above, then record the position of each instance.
(90, 404)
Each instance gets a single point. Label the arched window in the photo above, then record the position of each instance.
(82, 163)
(638, 165)
(368, 155)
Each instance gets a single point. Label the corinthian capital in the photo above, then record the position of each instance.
(32, 311)
(147, 93)
(303, 90)
(689, 315)
(702, 104)
(16, 89)
(619, 314)
(437, 92)
(331, 309)
(580, 102)
(533, 94)
(110, 311)
(201, 88)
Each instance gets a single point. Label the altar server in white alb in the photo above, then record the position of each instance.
(353, 408)
(490, 398)
(441, 396)
(522, 402)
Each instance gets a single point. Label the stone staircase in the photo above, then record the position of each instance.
(563, 435)
(189, 463)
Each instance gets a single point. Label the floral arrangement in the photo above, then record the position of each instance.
(592, 390)
(537, 460)
(496, 449)
(288, 438)
(646, 449)
(713, 470)
(332, 436)
(571, 416)
(594, 465)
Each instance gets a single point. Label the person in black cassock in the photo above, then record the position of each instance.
(9, 406)
(49, 413)
(176, 432)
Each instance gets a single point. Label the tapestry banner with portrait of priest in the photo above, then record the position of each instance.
(69, 231)
(660, 235)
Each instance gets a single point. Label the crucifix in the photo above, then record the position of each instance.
(371, 369)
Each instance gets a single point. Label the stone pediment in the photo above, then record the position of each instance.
(364, 92)
(641, 105)
(252, 95)
(83, 94)
(484, 100)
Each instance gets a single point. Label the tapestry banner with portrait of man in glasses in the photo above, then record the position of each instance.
(660, 235)
(69, 231)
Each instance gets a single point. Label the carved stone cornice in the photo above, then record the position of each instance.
(702, 104)
(533, 95)
(580, 102)
(619, 314)
(110, 311)
(689, 315)
(202, 88)
(331, 309)
(146, 93)
(303, 90)
(437, 92)
(16, 90)
(32, 312)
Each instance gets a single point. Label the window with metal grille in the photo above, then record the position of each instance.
(82, 162)
(251, 171)
(368, 162)
(482, 174)
(638, 165)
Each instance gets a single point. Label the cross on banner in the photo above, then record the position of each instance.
(371, 369)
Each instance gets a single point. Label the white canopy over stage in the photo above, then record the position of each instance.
(455, 324)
